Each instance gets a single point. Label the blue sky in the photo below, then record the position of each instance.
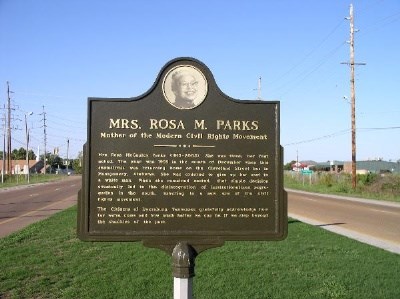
(56, 54)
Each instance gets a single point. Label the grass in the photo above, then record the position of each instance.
(371, 186)
(19, 180)
(46, 260)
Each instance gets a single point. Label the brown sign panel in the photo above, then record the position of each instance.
(182, 162)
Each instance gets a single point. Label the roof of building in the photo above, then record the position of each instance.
(379, 166)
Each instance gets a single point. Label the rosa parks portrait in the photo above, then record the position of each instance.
(185, 87)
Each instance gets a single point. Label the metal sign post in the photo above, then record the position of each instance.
(183, 257)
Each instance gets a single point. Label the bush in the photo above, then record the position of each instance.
(377, 186)
(327, 179)
(366, 179)
(385, 184)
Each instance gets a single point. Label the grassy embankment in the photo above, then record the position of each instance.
(372, 186)
(46, 260)
(20, 180)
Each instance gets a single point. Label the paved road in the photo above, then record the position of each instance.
(22, 206)
(373, 222)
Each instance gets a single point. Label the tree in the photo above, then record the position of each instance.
(53, 161)
(31, 155)
(20, 154)
(77, 163)
(288, 166)
(57, 161)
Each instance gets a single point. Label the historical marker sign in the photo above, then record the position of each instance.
(182, 162)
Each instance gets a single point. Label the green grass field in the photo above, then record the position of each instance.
(372, 186)
(46, 260)
(19, 180)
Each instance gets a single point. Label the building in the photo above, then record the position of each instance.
(374, 166)
(334, 166)
(20, 167)
(362, 167)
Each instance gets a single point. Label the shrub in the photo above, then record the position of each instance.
(377, 186)
(327, 179)
(386, 184)
(366, 179)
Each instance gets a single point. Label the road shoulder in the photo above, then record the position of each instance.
(349, 198)
(367, 239)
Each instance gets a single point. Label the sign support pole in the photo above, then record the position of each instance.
(183, 288)
(183, 257)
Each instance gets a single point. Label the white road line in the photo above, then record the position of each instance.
(34, 211)
(309, 199)
(383, 211)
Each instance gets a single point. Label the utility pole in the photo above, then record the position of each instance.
(352, 65)
(353, 104)
(9, 166)
(44, 139)
(67, 154)
(4, 147)
(27, 145)
(258, 89)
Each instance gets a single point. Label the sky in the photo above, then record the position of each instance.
(55, 54)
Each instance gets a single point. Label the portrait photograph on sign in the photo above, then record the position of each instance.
(185, 87)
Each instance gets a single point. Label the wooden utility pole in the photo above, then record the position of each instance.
(258, 89)
(67, 154)
(44, 140)
(3, 169)
(9, 160)
(353, 101)
(27, 145)
(353, 104)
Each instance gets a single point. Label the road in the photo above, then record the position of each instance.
(369, 221)
(25, 205)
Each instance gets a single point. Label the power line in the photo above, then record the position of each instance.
(339, 133)
(305, 74)
(309, 53)
(331, 135)
(380, 23)
(63, 125)
(378, 129)
(65, 119)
